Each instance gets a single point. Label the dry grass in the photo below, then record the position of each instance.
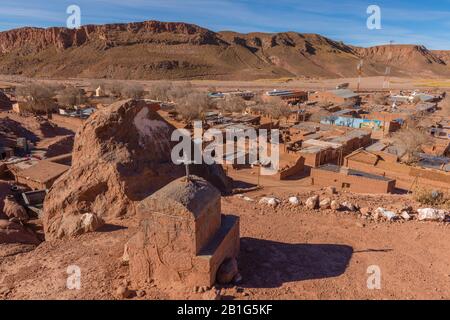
(434, 198)
(434, 83)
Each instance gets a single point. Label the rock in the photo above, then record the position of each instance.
(429, 214)
(405, 216)
(13, 209)
(11, 232)
(212, 295)
(325, 203)
(294, 201)
(271, 201)
(335, 205)
(79, 224)
(365, 211)
(388, 215)
(123, 292)
(126, 255)
(312, 202)
(331, 190)
(227, 271)
(141, 293)
(248, 199)
(121, 155)
(349, 206)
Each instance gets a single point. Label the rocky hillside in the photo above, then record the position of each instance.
(155, 50)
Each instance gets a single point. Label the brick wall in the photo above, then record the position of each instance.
(351, 183)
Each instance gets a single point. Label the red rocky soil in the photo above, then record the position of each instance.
(286, 253)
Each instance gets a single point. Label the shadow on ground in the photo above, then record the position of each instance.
(270, 264)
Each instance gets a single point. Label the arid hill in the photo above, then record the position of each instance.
(156, 50)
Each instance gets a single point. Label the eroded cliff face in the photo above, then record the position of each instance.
(141, 32)
(400, 53)
(166, 50)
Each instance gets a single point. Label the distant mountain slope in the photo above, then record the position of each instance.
(156, 50)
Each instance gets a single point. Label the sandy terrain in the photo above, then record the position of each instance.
(285, 254)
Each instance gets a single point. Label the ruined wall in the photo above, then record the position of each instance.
(294, 170)
(70, 121)
(428, 174)
(351, 183)
(403, 172)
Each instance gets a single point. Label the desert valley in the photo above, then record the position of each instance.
(92, 205)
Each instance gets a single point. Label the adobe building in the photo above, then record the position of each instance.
(347, 179)
(376, 159)
(183, 237)
(345, 97)
(321, 150)
(40, 176)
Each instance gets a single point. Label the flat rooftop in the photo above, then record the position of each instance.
(351, 172)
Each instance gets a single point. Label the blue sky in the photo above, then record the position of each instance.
(404, 21)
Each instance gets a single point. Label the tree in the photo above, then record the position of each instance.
(381, 99)
(193, 106)
(409, 142)
(71, 97)
(115, 88)
(231, 104)
(160, 91)
(181, 91)
(132, 91)
(38, 98)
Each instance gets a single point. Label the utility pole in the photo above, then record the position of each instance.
(359, 67)
(387, 75)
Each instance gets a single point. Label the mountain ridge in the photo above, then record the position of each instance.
(177, 50)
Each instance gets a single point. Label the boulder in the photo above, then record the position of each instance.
(429, 214)
(349, 206)
(325, 203)
(388, 215)
(312, 202)
(13, 210)
(271, 201)
(335, 205)
(294, 201)
(121, 155)
(11, 232)
(79, 224)
(405, 215)
(365, 211)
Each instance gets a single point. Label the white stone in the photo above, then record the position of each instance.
(271, 201)
(405, 215)
(389, 215)
(294, 201)
(429, 214)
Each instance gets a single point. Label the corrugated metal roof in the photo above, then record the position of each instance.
(344, 93)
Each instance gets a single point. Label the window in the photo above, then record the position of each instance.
(345, 185)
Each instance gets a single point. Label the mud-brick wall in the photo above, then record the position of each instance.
(352, 183)
(70, 121)
(440, 176)
(296, 169)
